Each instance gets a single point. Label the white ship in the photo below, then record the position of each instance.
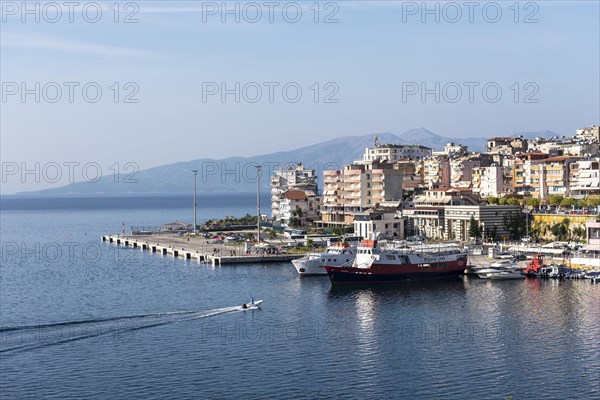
(312, 264)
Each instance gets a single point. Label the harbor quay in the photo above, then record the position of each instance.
(200, 249)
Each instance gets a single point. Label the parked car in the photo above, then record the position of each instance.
(526, 239)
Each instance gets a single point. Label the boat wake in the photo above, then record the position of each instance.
(16, 339)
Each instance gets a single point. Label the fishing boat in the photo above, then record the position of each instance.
(314, 263)
(376, 265)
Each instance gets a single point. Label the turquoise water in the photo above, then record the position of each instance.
(82, 318)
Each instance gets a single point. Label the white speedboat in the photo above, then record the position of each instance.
(253, 305)
(483, 273)
(506, 274)
(312, 264)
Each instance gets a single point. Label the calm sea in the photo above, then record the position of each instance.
(84, 319)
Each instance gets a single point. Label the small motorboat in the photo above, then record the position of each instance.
(506, 274)
(483, 273)
(253, 305)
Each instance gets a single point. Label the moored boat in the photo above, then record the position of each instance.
(512, 273)
(313, 264)
(375, 265)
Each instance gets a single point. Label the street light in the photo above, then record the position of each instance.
(195, 174)
(258, 169)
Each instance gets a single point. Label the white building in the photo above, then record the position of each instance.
(388, 223)
(395, 152)
(293, 177)
(589, 134)
(300, 204)
(489, 181)
(585, 177)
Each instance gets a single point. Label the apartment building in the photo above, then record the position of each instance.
(436, 171)
(489, 181)
(589, 134)
(300, 205)
(523, 179)
(584, 177)
(292, 177)
(395, 152)
(357, 188)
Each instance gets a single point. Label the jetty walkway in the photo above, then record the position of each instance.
(200, 249)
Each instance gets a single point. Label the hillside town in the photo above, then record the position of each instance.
(518, 189)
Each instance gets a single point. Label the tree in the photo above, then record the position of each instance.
(272, 233)
(474, 229)
(503, 201)
(492, 200)
(310, 243)
(579, 233)
(513, 201)
(533, 202)
(568, 202)
(559, 231)
(593, 201)
(555, 200)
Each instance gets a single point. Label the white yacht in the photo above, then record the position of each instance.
(313, 263)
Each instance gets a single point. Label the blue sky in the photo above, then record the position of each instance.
(364, 61)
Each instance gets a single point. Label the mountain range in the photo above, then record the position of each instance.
(238, 174)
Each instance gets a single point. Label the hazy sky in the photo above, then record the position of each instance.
(361, 68)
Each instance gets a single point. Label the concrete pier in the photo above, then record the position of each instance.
(196, 248)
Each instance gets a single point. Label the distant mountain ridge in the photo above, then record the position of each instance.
(238, 174)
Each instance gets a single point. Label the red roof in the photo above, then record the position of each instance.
(295, 195)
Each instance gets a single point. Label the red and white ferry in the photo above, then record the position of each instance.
(376, 265)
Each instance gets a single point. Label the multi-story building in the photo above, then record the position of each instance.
(489, 181)
(357, 188)
(506, 145)
(461, 170)
(300, 204)
(551, 177)
(445, 196)
(385, 222)
(436, 171)
(589, 134)
(557, 148)
(293, 177)
(451, 222)
(522, 172)
(452, 149)
(584, 177)
(395, 152)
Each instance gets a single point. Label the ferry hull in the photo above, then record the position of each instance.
(385, 273)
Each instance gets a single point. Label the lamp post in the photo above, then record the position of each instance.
(195, 174)
(258, 169)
